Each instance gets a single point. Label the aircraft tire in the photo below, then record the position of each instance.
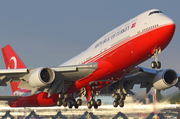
(123, 96)
(66, 96)
(115, 103)
(158, 64)
(79, 102)
(59, 102)
(74, 102)
(153, 65)
(117, 96)
(98, 102)
(61, 96)
(76, 106)
(89, 105)
(95, 106)
(70, 105)
(121, 103)
(65, 103)
(92, 102)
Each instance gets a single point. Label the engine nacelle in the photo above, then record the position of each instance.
(41, 77)
(165, 79)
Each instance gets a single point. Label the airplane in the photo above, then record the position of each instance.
(112, 61)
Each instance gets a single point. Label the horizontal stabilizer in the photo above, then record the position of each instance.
(9, 98)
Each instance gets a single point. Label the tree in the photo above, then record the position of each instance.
(158, 95)
(175, 99)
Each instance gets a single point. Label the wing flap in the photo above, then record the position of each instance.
(64, 69)
(76, 72)
(13, 71)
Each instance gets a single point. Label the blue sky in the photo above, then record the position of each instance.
(47, 33)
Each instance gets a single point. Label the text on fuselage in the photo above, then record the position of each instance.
(112, 36)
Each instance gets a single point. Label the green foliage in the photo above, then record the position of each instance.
(175, 99)
(158, 95)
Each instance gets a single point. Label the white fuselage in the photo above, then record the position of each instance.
(138, 24)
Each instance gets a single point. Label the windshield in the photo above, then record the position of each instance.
(154, 12)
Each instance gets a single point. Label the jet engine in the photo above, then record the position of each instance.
(165, 79)
(41, 77)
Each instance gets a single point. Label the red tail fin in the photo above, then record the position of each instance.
(12, 61)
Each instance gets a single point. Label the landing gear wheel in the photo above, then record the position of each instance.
(66, 96)
(158, 64)
(92, 102)
(74, 102)
(61, 96)
(79, 102)
(153, 65)
(76, 105)
(70, 105)
(65, 103)
(121, 103)
(59, 102)
(115, 103)
(123, 96)
(89, 105)
(117, 96)
(98, 102)
(95, 106)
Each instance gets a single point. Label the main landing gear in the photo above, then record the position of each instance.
(94, 103)
(156, 63)
(120, 94)
(64, 98)
(75, 103)
(119, 99)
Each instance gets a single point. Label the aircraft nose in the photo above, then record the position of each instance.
(170, 28)
(169, 25)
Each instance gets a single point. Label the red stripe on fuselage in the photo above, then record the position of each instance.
(111, 49)
(119, 61)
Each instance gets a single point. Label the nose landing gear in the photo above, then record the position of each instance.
(156, 63)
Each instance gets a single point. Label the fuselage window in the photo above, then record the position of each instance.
(149, 28)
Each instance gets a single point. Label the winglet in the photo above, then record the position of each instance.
(12, 61)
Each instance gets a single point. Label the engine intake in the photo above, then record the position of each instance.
(165, 79)
(41, 77)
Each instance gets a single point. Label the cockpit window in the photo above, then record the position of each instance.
(154, 12)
